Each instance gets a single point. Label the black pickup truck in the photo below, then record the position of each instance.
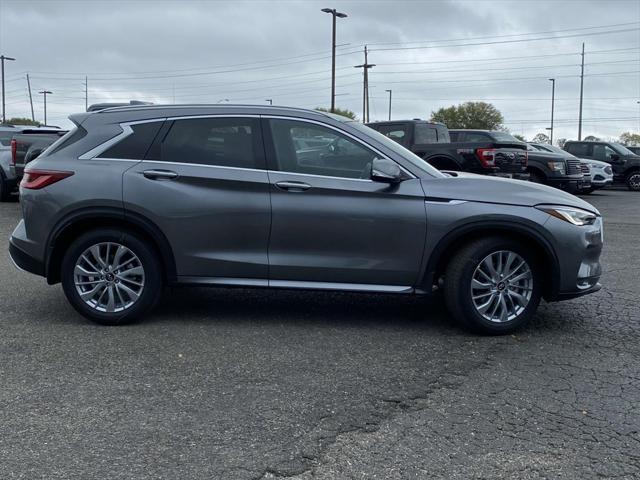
(28, 144)
(476, 151)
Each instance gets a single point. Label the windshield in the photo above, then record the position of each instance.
(397, 148)
(621, 149)
(552, 148)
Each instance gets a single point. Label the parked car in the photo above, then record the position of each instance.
(557, 169)
(8, 181)
(634, 149)
(28, 144)
(134, 198)
(624, 163)
(600, 172)
(482, 152)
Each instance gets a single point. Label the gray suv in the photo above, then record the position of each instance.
(134, 198)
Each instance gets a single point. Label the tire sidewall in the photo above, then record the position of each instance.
(146, 255)
(632, 188)
(475, 319)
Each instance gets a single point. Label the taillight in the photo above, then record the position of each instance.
(14, 150)
(36, 179)
(487, 157)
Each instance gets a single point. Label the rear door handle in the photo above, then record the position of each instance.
(159, 174)
(293, 186)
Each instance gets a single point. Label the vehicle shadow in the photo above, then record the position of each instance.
(271, 306)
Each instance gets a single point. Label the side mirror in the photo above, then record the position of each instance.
(386, 171)
(615, 157)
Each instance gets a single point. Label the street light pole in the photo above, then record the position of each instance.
(389, 103)
(553, 99)
(2, 59)
(45, 93)
(334, 13)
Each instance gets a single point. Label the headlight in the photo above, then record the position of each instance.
(556, 167)
(575, 216)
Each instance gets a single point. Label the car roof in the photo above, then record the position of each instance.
(410, 120)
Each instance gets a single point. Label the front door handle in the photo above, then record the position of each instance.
(159, 174)
(293, 186)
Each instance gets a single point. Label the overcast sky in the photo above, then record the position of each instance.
(429, 53)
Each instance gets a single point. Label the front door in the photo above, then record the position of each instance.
(203, 183)
(331, 224)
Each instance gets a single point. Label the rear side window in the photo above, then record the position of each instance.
(425, 134)
(69, 138)
(135, 146)
(225, 142)
(578, 149)
(455, 136)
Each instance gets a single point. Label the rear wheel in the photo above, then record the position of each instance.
(493, 286)
(633, 181)
(111, 277)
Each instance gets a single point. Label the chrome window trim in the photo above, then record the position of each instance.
(347, 134)
(319, 176)
(126, 131)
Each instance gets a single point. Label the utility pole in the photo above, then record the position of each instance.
(33, 116)
(581, 95)
(553, 99)
(2, 59)
(365, 86)
(334, 13)
(389, 103)
(86, 93)
(45, 93)
(269, 100)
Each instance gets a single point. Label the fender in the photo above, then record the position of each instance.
(117, 214)
(516, 225)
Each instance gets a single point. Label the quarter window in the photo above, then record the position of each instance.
(226, 142)
(306, 148)
(135, 145)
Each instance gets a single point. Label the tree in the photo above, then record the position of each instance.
(480, 115)
(591, 138)
(561, 142)
(628, 138)
(22, 121)
(541, 138)
(340, 111)
(520, 137)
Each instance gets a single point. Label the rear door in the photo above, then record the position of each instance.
(331, 225)
(203, 183)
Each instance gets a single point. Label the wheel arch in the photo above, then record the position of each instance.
(461, 236)
(79, 222)
(443, 162)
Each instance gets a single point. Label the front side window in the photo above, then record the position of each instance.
(226, 142)
(603, 152)
(306, 148)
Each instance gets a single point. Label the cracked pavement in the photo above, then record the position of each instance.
(256, 384)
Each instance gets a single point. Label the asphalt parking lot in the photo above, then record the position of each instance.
(267, 384)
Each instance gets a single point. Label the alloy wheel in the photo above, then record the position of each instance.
(109, 277)
(501, 286)
(634, 181)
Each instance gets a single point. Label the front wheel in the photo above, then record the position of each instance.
(493, 286)
(111, 277)
(633, 181)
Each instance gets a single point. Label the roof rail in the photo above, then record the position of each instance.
(96, 107)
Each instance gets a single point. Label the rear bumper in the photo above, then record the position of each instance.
(24, 261)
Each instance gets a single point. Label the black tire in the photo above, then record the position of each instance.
(457, 285)
(147, 256)
(4, 189)
(536, 177)
(587, 191)
(633, 181)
